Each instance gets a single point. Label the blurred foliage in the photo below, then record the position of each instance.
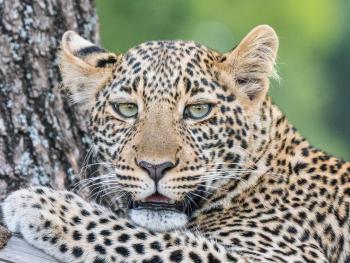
(314, 56)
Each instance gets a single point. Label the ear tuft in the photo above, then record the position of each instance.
(85, 67)
(252, 62)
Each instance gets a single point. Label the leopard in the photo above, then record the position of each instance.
(202, 163)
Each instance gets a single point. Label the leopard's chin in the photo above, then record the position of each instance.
(158, 220)
(158, 213)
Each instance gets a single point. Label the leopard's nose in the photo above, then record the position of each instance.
(156, 171)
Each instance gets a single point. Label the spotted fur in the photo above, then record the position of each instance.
(260, 191)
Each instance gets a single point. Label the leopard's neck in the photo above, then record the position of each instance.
(275, 149)
(275, 138)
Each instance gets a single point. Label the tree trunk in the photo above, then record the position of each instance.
(42, 139)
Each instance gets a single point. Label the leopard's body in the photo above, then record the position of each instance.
(260, 191)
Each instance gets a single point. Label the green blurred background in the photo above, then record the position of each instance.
(314, 56)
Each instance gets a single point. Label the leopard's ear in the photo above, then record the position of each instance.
(85, 67)
(252, 62)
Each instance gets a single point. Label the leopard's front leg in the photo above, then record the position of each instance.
(72, 230)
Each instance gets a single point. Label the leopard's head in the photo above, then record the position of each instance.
(170, 119)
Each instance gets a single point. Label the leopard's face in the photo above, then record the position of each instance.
(171, 123)
(167, 106)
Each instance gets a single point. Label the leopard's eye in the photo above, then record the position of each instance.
(197, 111)
(126, 110)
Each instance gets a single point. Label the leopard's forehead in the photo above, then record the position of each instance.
(161, 65)
(178, 49)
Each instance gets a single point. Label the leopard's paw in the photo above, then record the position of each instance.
(20, 209)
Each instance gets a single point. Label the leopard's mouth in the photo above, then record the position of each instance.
(160, 213)
(158, 202)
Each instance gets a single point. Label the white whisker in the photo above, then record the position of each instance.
(200, 196)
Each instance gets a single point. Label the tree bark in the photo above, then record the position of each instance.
(42, 138)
